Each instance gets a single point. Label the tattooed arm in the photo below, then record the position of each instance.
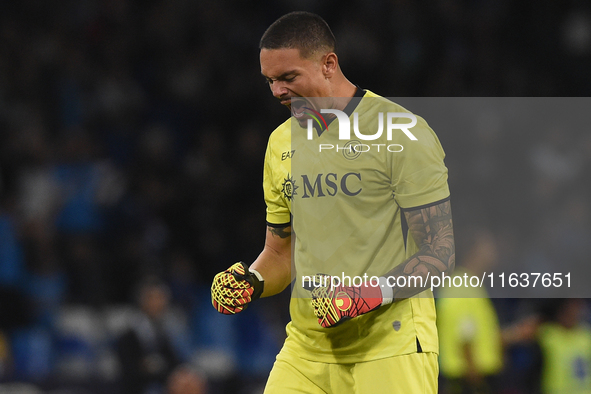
(432, 230)
(274, 262)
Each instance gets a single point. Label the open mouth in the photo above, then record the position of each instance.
(298, 107)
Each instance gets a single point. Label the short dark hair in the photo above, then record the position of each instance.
(301, 30)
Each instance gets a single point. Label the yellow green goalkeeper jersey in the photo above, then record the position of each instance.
(567, 358)
(345, 206)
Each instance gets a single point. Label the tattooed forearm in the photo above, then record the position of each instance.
(281, 232)
(432, 230)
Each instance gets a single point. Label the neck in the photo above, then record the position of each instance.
(344, 90)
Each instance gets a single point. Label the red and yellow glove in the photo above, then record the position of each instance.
(334, 305)
(233, 289)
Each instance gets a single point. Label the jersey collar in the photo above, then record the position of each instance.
(353, 103)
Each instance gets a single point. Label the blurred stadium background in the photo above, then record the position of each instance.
(132, 136)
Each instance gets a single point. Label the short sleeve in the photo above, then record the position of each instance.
(278, 212)
(419, 175)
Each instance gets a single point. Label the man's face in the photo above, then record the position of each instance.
(291, 76)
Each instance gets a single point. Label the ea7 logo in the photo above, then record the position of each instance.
(345, 125)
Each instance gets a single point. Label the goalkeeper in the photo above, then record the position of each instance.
(376, 213)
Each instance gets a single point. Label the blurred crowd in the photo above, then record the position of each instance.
(132, 137)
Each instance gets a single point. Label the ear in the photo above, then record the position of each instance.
(330, 64)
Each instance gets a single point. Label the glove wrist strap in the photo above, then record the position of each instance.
(387, 291)
(257, 282)
(257, 274)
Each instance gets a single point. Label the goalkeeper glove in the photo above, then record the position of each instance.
(334, 305)
(234, 288)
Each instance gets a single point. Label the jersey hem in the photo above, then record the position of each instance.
(349, 359)
(431, 204)
(278, 225)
